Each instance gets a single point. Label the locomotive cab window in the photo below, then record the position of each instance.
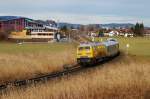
(87, 48)
(84, 48)
(80, 48)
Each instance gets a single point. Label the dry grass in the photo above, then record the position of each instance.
(21, 65)
(123, 78)
(127, 77)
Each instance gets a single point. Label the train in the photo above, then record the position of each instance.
(92, 52)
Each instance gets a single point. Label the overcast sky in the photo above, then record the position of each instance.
(80, 11)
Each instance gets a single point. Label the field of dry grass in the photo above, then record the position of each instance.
(26, 61)
(126, 77)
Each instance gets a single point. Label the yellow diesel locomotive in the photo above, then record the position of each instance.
(89, 53)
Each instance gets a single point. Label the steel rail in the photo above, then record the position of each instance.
(44, 78)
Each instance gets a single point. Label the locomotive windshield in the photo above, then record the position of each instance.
(84, 48)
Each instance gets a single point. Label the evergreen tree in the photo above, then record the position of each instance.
(141, 29)
(138, 29)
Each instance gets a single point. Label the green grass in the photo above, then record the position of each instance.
(13, 48)
(138, 46)
(29, 60)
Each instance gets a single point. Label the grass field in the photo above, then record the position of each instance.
(13, 48)
(138, 46)
(126, 77)
(29, 60)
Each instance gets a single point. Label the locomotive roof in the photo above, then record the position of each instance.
(90, 44)
(106, 43)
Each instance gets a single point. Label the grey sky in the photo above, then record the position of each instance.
(80, 11)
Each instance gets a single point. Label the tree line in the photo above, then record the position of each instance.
(138, 29)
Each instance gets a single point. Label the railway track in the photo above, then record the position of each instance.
(43, 78)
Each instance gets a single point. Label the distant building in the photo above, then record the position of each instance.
(36, 34)
(23, 29)
(119, 32)
(15, 23)
(48, 23)
(113, 33)
(147, 32)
